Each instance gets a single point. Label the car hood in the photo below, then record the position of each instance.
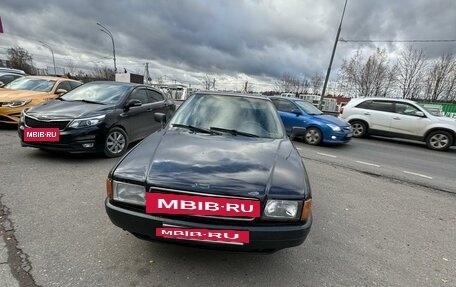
(7, 95)
(447, 120)
(57, 109)
(223, 165)
(328, 119)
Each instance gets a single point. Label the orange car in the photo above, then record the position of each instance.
(28, 92)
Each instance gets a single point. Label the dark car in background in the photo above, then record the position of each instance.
(98, 117)
(221, 174)
(320, 128)
(8, 75)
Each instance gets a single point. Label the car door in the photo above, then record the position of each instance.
(138, 119)
(405, 121)
(286, 110)
(379, 114)
(157, 104)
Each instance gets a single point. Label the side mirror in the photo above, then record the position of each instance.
(161, 118)
(296, 112)
(297, 132)
(419, 114)
(61, 91)
(133, 103)
(1, 84)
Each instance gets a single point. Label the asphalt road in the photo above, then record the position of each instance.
(369, 230)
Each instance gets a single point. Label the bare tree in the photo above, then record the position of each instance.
(370, 79)
(20, 58)
(103, 73)
(208, 82)
(439, 77)
(316, 82)
(410, 67)
(71, 67)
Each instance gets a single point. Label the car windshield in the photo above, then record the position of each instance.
(235, 115)
(31, 84)
(308, 108)
(97, 93)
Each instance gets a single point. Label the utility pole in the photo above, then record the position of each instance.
(52, 52)
(323, 92)
(105, 30)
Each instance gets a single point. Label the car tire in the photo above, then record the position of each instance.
(439, 140)
(359, 129)
(116, 142)
(313, 136)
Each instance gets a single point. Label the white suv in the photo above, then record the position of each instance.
(400, 119)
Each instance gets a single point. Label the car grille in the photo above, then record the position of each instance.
(347, 129)
(34, 123)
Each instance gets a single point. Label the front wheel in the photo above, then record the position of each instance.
(312, 136)
(439, 140)
(359, 129)
(116, 142)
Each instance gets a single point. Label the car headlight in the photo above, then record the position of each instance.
(129, 193)
(281, 209)
(19, 103)
(334, 127)
(87, 122)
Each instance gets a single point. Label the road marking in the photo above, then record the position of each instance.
(417, 174)
(325, 154)
(367, 163)
(298, 148)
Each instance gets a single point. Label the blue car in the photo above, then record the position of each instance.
(320, 128)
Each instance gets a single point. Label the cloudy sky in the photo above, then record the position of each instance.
(232, 40)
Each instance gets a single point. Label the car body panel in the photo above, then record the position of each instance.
(180, 160)
(320, 122)
(400, 125)
(71, 139)
(10, 115)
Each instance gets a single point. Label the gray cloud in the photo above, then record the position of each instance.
(261, 39)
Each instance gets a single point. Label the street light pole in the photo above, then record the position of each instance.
(52, 52)
(320, 105)
(105, 30)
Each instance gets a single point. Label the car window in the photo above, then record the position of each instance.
(74, 85)
(251, 115)
(104, 93)
(154, 96)
(64, 85)
(140, 95)
(285, 106)
(5, 79)
(383, 106)
(406, 109)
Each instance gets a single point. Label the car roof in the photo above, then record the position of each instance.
(114, 83)
(51, 78)
(232, 94)
(382, 99)
(13, 71)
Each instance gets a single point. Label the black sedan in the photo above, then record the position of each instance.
(221, 174)
(96, 117)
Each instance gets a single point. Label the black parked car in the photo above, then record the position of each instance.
(221, 174)
(98, 117)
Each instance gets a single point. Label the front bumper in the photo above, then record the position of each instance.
(10, 115)
(337, 137)
(262, 238)
(71, 140)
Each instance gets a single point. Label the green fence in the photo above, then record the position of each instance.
(449, 110)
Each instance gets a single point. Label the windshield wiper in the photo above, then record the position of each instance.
(196, 129)
(89, 101)
(234, 132)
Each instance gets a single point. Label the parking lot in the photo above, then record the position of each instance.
(384, 215)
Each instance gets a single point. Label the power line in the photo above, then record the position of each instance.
(398, 41)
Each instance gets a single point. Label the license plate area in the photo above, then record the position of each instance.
(220, 236)
(160, 202)
(40, 135)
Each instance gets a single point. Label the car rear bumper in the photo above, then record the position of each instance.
(262, 238)
(71, 141)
